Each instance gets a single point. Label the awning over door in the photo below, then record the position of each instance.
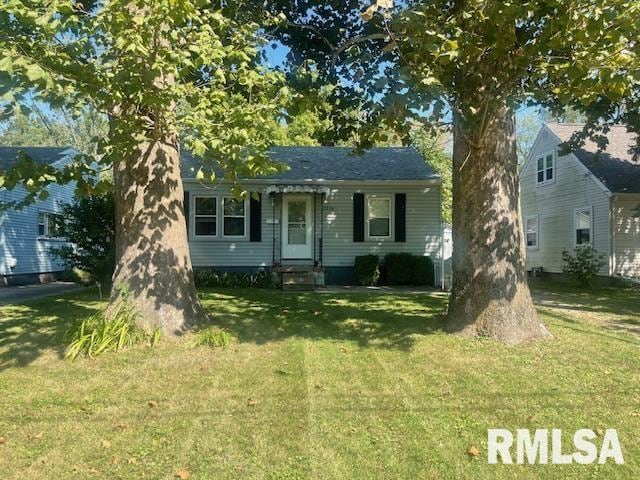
(297, 189)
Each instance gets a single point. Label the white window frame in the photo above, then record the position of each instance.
(368, 218)
(544, 156)
(194, 216)
(46, 235)
(535, 217)
(573, 232)
(244, 217)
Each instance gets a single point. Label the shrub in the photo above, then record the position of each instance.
(97, 334)
(423, 272)
(399, 268)
(210, 278)
(367, 269)
(583, 265)
(213, 337)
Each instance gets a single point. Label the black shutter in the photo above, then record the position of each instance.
(185, 207)
(255, 218)
(401, 217)
(358, 217)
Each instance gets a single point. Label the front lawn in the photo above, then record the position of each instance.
(318, 386)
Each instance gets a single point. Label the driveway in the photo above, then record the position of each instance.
(30, 292)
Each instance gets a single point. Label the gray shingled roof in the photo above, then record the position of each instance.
(9, 155)
(339, 163)
(616, 166)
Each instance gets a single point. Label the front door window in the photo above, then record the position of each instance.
(297, 227)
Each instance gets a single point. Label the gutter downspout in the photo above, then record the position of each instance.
(442, 286)
(612, 237)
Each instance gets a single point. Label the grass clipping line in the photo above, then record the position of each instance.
(96, 334)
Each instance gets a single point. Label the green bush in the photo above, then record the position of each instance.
(423, 272)
(583, 264)
(367, 269)
(213, 337)
(212, 278)
(399, 268)
(97, 334)
(408, 269)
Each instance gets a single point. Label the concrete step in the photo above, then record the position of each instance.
(298, 281)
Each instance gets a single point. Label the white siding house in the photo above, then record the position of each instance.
(27, 235)
(326, 208)
(583, 197)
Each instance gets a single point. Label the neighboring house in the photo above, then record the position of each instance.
(587, 197)
(27, 235)
(315, 217)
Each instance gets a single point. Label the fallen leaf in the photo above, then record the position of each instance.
(344, 349)
(532, 419)
(183, 474)
(132, 460)
(473, 451)
(152, 403)
(283, 372)
(318, 386)
(120, 426)
(38, 435)
(251, 402)
(3, 440)
(93, 470)
(599, 432)
(105, 443)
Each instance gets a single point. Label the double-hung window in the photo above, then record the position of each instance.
(379, 217)
(545, 169)
(49, 225)
(205, 216)
(531, 230)
(234, 217)
(583, 225)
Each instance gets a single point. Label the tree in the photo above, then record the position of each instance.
(430, 147)
(89, 224)
(43, 129)
(472, 64)
(166, 73)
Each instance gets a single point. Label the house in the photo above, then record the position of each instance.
(312, 219)
(587, 197)
(28, 235)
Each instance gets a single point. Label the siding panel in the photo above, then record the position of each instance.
(626, 231)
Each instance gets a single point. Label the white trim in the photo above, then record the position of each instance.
(367, 218)
(245, 217)
(526, 163)
(192, 216)
(535, 217)
(46, 235)
(573, 232)
(544, 156)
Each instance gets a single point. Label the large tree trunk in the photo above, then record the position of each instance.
(152, 253)
(490, 295)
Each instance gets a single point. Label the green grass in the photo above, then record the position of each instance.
(315, 386)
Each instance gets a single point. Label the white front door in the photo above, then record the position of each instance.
(297, 227)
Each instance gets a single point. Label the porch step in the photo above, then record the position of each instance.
(296, 280)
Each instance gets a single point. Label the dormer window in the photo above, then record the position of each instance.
(545, 172)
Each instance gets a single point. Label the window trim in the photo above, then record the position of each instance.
(573, 232)
(244, 216)
(544, 169)
(535, 217)
(46, 235)
(194, 216)
(368, 219)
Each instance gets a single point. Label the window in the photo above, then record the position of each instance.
(531, 229)
(379, 217)
(545, 169)
(49, 225)
(204, 216)
(234, 217)
(582, 225)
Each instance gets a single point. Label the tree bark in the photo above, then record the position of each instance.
(490, 295)
(153, 265)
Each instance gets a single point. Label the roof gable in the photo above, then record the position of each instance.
(43, 155)
(616, 167)
(339, 163)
